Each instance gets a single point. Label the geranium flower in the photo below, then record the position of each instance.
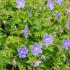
(50, 4)
(59, 2)
(47, 39)
(57, 15)
(68, 25)
(26, 31)
(36, 49)
(37, 63)
(66, 43)
(20, 3)
(22, 52)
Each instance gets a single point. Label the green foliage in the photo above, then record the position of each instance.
(40, 20)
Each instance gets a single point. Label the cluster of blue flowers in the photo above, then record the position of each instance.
(47, 39)
(51, 3)
(37, 48)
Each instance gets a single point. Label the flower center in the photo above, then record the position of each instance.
(21, 52)
(66, 43)
(35, 48)
(47, 40)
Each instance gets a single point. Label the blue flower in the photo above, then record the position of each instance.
(47, 39)
(66, 43)
(50, 4)
(59, 2)
(22, 52)
(57, 15)
(26, 31)
(37, 63)
(36, 49)
(68, 25)
(20, 3)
